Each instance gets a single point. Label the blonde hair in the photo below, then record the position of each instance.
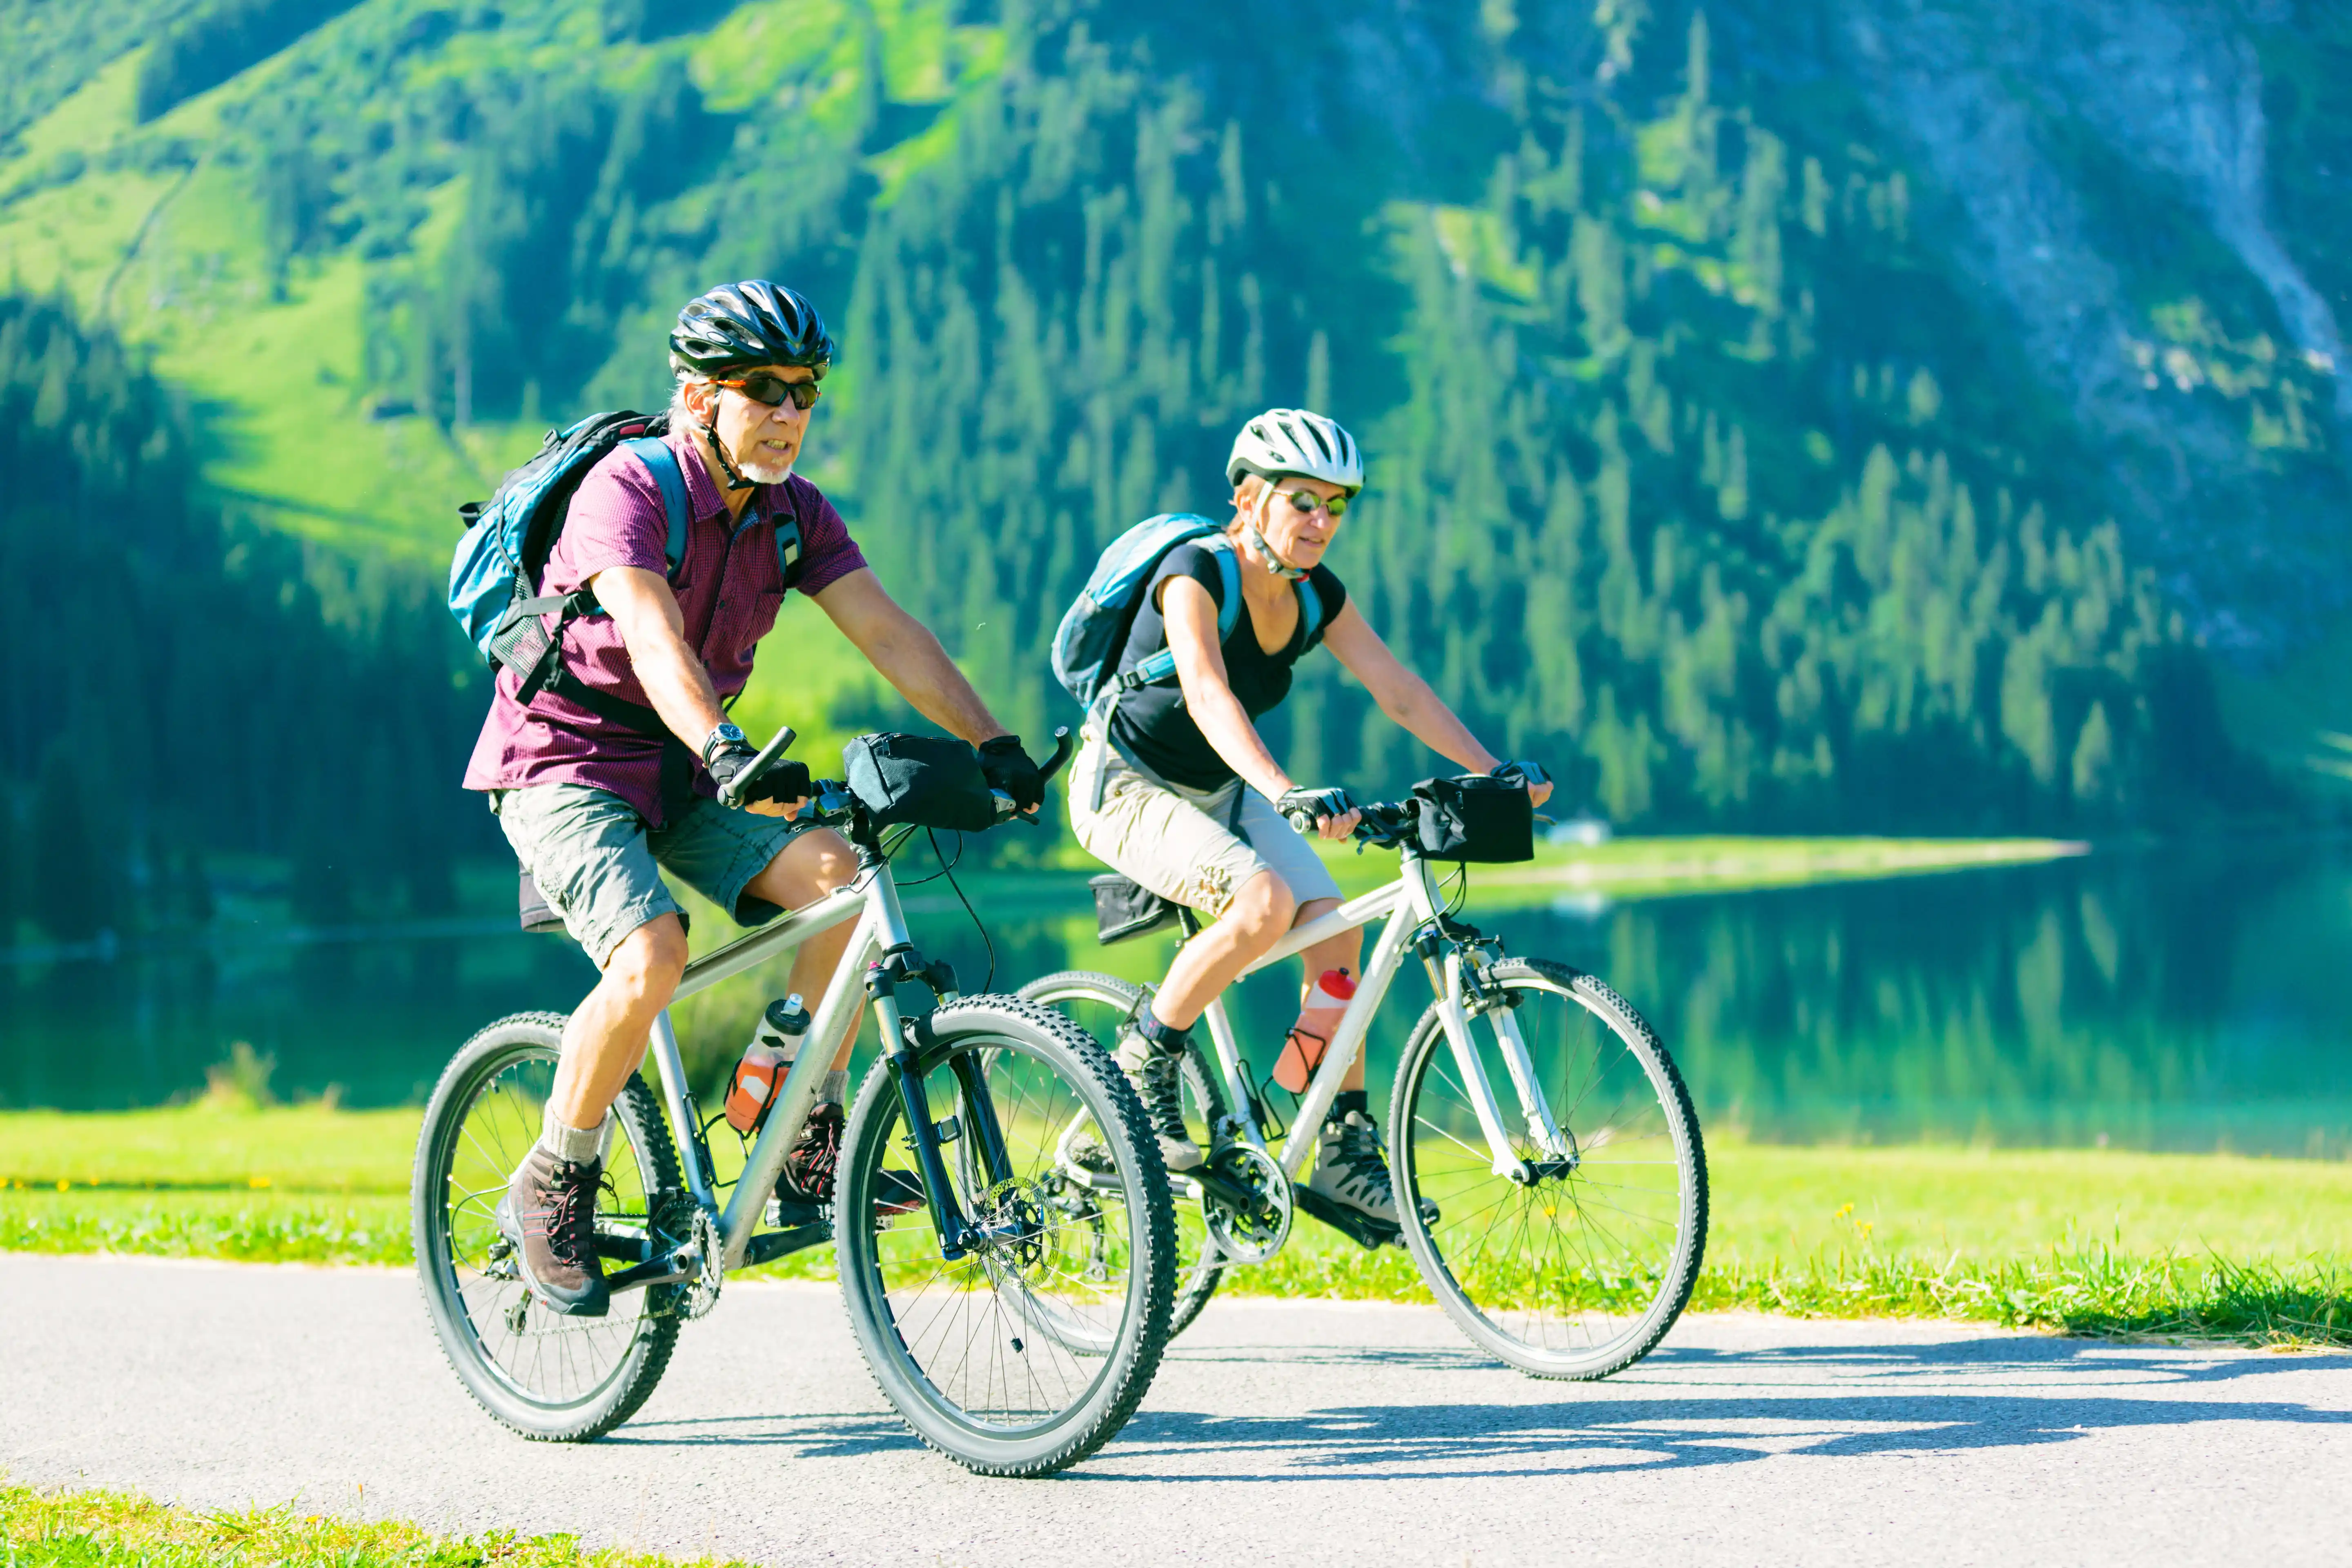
(1246, 495)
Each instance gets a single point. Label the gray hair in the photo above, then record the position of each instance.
(680, 416)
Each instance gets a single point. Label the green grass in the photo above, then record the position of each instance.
(2077, 1241)
(91, 1529)
(1654, 865)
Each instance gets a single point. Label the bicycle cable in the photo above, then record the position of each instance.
(1461, 880)
(947, 869)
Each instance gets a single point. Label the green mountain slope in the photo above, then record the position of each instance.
(1728, 447)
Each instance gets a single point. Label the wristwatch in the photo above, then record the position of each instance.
(722, 735)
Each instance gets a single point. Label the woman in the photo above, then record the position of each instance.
(1174, 788)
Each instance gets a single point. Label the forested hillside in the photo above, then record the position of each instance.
(174, 691)
(1853, 413)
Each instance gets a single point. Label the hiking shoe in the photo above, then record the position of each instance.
(550, 1215)
(1159, 1079)
(810, 1169)
(1349, 1169)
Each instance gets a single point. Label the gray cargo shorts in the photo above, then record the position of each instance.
(600, 868)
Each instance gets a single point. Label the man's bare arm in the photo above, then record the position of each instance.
(910, 658)
(652, 629)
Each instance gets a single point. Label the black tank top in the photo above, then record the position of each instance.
(1151, 724)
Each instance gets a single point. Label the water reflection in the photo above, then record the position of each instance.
(2176, 998)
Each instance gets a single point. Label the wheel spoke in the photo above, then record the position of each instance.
(545, 1373)
(1578, 1273)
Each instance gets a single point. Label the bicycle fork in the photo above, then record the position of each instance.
(958, 1232)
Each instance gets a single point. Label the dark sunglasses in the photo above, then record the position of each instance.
(1308, 500)
(771, 390)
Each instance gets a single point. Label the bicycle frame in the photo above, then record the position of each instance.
(1414, 914)
(865, 973)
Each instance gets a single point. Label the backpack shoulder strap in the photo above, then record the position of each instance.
(1161, 665)
(788, 545)
(1228, 576)
(655, 453)
(1310, 614)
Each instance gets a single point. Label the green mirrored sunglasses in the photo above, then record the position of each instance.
(1308, 500)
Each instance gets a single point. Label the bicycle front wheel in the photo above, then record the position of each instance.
(1579, 1271)
(544, 1374)
(1099, 1004)
(1031, 1350)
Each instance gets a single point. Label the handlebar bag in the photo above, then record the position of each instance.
(1475, 817)
(920, 781)
(1125, 908)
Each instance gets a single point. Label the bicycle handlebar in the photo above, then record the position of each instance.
(1385, 823)
(730, 794)
(831, 800)
(1064, 744)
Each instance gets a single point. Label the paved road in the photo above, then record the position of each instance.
(1276, 1431)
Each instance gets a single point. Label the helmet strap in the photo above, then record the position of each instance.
(1256, 539)
(735, 479)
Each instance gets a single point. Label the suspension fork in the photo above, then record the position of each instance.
(955, 1231)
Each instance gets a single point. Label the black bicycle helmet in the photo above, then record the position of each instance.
(752, 322)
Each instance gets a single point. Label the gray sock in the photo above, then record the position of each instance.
(578, 1145)
(835, 1086)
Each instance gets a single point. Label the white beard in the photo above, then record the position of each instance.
(761, 472)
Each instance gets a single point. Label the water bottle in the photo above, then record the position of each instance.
(1319, 1020)
(774, 1043)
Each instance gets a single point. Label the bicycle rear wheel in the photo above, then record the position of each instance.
(546, 1375)
(1099, 1004)
(1579, 1272)
(1032, 1350)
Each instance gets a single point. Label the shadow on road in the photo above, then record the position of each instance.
(1683, 1407)
(1735, 1406)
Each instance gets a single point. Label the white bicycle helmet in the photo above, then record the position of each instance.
(1294, 441)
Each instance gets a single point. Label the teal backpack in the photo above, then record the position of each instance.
(1094, 630)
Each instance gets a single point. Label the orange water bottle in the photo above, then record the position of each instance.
(765, 1062)
(1319, 1020)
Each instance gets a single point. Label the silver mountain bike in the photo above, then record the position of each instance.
(1014, 1319)
(1551, 1184)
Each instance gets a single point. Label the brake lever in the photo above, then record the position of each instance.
(732, 795)
(1064, 744)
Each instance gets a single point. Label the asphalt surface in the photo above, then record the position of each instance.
(1298, 1431)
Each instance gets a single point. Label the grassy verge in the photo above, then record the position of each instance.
(88, 1529)
(1660, 867)
(2082, 1242)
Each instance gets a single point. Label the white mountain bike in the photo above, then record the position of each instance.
(1559, 1221)
(1014, 1319)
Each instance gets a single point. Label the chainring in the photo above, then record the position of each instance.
(682, 1222)
(1256, 1233)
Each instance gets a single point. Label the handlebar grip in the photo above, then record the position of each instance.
(732, 794)
(1304, 821)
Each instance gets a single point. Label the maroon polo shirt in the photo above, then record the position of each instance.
(728, 587)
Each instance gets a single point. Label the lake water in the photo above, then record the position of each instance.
(2183, 998)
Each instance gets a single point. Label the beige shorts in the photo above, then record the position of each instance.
(1195, 846)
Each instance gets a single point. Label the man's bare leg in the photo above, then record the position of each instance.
(605, 1039)
(549, 1209)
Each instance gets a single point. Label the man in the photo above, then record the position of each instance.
(597, 804)
(1174, 787)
